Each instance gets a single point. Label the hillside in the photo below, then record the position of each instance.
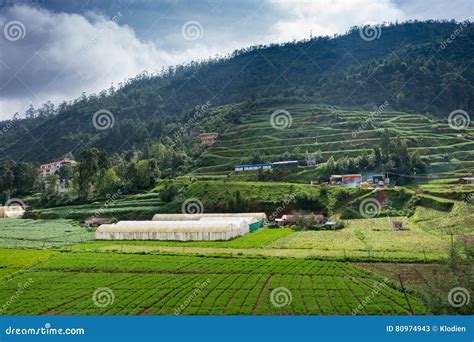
(406, 67)
(331, 131)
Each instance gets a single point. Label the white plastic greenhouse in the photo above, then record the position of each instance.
(172, 230)
(197, 217)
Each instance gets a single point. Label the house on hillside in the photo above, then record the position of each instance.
(50, 168)
(208, 138)
(348, 180)
(335, 179)
(466, 180)
(353, 179)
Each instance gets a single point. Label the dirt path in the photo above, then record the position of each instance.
(260, 296)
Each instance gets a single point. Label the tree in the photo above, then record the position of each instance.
(90, 162)
(65, 173)
(108, 183)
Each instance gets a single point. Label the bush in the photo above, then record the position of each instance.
(304, 220)
(168, 192)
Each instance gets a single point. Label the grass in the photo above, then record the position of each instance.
(432, 281)
(459, 221)
(258, 239)
(371, 237)
(13, 261)
(41, 233)
(157, 285)
(361, 239)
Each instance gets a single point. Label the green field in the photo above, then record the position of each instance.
(14, 261)
(41, 233)
(258, 239)
(339, 133)
(424, 238)
(55, 267)
(152, 284)
(372, 237)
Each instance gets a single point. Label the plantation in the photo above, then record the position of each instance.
(140, 207)
(41, 233)
(372, 238)
(339, 133)
(13, 261)
(151, 284)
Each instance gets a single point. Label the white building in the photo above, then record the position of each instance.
(50, 168)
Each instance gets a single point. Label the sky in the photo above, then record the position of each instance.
(53, 50)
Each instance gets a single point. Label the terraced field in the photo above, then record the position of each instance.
(119, 284)
(339, 133)
(140, 207)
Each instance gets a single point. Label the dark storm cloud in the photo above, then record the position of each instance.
(68, 47)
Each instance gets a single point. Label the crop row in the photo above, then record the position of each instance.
(158, 285)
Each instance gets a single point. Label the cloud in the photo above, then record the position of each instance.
(76, 46)
(62, 55)
(329, 17)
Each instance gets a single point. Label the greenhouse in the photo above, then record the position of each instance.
(172, 230)
(197, 217)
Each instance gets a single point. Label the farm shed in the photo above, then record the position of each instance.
(171, 230)
(466, 180)
(12, 211)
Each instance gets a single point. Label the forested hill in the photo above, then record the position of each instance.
(411, 66)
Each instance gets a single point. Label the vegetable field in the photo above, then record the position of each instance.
(41, 233)
(124, 284)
